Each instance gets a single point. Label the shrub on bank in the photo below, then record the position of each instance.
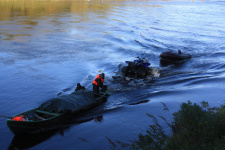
(194, 127)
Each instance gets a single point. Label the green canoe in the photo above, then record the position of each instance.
(38, 120)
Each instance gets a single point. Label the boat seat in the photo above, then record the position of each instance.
(48, 113)
(39, 117)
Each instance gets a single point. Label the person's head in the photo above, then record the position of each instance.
(179, 51)
(78, 85)
(102, 75)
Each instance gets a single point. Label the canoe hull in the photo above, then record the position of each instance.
(55, 121)
(23, 127)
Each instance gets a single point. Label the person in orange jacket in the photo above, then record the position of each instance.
(98, 82)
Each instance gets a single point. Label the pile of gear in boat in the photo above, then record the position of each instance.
(69, 103)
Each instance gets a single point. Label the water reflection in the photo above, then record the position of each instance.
(30, 140)
(177, 64)
(37, 8)
(23, 18)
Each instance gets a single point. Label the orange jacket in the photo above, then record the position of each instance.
(19, 118)
(96, 80)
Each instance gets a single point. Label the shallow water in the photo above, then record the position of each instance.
(46, 47)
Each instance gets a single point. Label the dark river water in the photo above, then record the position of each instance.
(48, 46)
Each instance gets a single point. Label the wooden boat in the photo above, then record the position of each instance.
(172, 56)
(37, 120)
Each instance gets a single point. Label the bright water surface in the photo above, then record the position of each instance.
(48, 46)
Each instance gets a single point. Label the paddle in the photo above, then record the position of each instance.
(6, 116)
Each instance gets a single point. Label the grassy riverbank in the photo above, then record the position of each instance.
(193, 127)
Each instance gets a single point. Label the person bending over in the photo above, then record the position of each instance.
(98, 82)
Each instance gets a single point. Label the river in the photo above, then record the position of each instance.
(48, 46)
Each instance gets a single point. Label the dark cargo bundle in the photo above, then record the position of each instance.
(68, 103)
